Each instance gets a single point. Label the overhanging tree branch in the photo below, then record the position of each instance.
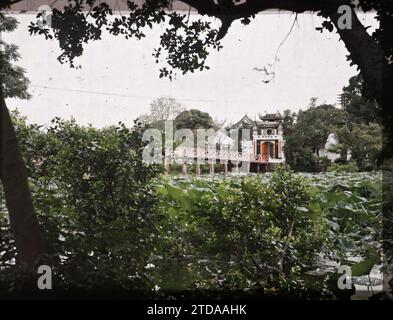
(229, 13)
(364, 52)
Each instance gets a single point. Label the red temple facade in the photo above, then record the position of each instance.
(267, 140)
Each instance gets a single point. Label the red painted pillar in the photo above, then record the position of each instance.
(274, 149)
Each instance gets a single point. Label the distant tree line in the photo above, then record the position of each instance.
(169, 109)
(356, 125)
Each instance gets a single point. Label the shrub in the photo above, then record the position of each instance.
(94, 199)
(343, 167)
(240, 233)
(111, 222)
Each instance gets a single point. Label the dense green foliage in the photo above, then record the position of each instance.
(359, 109)
(13, 80)
(269, 232)
(91, 211)
(316, 123)
(241, 233)
(346, 167)
(194, 119)
(306, 133)
(359, 138)
(93, 199)
(112, 222)
(365, 143)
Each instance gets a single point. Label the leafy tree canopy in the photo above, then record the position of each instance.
(194, 119)
(359, 108)
(13, 80)
(162, 109)
(185, 44)
(316, 123)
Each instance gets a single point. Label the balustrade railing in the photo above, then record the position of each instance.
(200, 153)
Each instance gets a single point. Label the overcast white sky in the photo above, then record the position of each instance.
(119, 78)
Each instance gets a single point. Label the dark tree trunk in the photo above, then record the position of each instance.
(364, 52)
(386, 161)
(13, 175)
(378, 76)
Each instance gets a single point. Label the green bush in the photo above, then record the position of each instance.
(94, 199)
(343, 167)
(322, 163)
(112, 222)
(240, 233)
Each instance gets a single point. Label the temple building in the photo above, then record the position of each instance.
(267, 140)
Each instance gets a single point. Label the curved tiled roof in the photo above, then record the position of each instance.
(271, 121)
